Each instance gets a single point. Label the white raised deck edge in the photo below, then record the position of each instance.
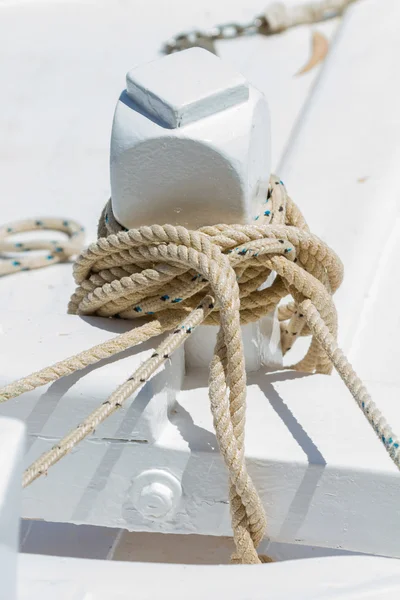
(44, 577)
(336, 578)
(12, 434)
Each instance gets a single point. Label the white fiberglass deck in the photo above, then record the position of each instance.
(324, 477)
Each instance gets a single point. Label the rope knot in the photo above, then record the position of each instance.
(167, 273)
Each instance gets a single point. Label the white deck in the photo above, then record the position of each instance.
(83, 580)
(335, 143)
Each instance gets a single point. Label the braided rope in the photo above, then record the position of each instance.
(23, 256)
(177, 279)
(280, 17)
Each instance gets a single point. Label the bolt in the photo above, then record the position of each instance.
(156, 493)
(155, 500)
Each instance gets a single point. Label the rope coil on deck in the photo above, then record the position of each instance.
(31, 254)
(174, 279)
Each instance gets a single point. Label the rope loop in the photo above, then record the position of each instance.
(159, 269)
(24, 256)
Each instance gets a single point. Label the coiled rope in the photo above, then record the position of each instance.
(24, 256)
(175, 279)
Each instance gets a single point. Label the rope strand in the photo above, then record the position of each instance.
(117, 398)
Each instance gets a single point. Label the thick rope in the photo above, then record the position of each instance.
(280, 16)
(175, 279)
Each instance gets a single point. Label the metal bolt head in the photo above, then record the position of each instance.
(155, 500)
(156, 493)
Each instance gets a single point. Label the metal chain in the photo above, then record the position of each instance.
(226, 31)
(276, 18)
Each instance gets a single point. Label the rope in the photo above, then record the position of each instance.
(55, 251)
(175, 279)
(280, 17)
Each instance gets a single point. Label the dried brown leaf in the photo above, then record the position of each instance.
(320, 47)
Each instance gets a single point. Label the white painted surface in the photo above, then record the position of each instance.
(65, 162)
(352, 500)
(261, 343)
(322, 482)
(155, 493)
(88, 541)
(336, 578)
(51, 410)
(12, 437)
(191, 147)
(185, 87)
(345, 175)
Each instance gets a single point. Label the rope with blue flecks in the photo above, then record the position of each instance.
(175, 279)
(26, 255)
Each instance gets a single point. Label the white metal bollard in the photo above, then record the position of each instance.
(12, 436)
(191, 146)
